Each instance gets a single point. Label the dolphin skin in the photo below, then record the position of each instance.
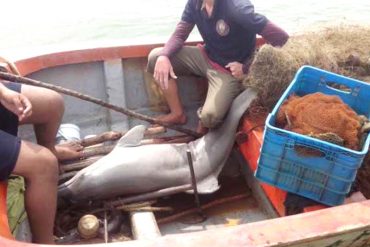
(131, 168)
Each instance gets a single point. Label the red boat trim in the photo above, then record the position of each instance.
(4, 225)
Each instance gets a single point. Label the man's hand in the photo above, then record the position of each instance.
(236, 69)
(162, 70)
(16, 103)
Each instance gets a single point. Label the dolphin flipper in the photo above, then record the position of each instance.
(207, 185)
(133, 137)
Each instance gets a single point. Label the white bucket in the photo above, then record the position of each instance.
(68, 132)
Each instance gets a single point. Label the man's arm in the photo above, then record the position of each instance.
(15, 102)
(163, 68)
(177, 39)
(244, 14)
(273, 35)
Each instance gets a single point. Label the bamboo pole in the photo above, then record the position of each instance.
(114, 135)
(99, 150)
(106, 136)
(59, 89)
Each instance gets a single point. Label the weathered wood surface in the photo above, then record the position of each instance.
(342, 226)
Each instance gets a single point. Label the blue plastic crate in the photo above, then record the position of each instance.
(326, 178)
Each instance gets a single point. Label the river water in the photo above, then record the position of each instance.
(35, 23)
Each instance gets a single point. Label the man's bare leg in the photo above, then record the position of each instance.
(39, 167)
(47, 113)
(176, 115)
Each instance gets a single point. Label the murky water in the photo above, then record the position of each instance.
(44, 22)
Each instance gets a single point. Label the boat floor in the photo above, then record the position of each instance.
(231, 205)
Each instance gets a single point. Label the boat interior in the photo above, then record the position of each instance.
(125, 82)
(117, 75)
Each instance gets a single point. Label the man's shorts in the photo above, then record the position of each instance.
(10, 144)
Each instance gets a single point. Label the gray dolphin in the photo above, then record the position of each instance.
(131, 168)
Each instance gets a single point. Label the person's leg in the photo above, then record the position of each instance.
(222, 89)
(171, 94)
(39, 167)
(47, 113)
(187, 61)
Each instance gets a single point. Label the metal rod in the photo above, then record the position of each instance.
(105, 227)
(194, 184)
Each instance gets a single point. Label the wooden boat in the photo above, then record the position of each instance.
(116, 74)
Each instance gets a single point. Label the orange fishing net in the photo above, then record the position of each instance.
(316, 114)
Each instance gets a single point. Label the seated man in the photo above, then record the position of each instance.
(228, 29)
(37, 163)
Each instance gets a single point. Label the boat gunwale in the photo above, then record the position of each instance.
(296, 229)
(34, 63)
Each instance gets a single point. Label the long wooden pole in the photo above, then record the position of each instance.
(59, 89)
(114, 135)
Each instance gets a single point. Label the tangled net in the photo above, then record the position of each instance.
(317, 113)
(343, 49)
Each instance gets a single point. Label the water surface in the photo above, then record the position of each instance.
(36, 23)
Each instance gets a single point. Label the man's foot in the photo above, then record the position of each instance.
(68, 151)
(172, 118)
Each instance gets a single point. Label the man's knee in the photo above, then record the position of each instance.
(47, 167)
(152, 59)
(210, 118)
(58, 100)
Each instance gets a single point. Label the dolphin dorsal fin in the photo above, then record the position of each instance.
(133, 137)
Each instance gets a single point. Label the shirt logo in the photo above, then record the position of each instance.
(222, 28)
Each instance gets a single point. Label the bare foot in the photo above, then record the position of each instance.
(69, 151)
(172, 118)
